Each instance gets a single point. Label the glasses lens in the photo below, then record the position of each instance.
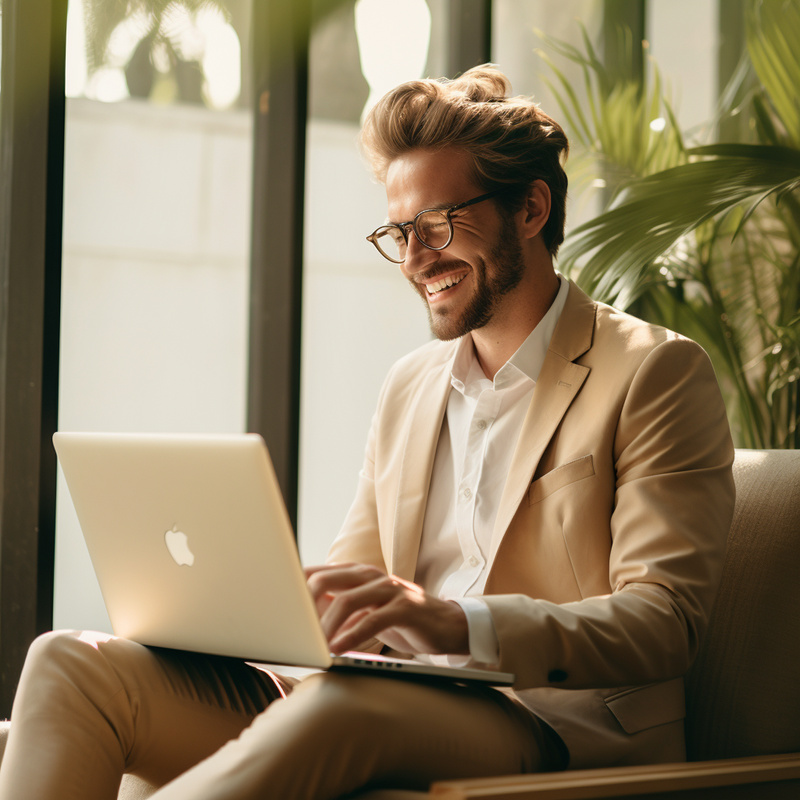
(391, 243)
(433, 229)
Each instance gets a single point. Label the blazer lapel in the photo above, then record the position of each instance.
(559, 381)
(423, 428)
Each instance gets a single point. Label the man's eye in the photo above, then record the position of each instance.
(432, 228)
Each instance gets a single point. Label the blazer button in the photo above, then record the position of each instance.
(556, 676)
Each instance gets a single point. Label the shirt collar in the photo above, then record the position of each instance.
(524, 365)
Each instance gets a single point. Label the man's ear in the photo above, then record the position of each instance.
(536, 210)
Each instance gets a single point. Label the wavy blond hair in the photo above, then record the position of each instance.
(511, 141)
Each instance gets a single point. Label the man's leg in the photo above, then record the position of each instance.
(90, 707)
(337, 733)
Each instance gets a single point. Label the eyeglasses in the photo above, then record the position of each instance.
(433, 228)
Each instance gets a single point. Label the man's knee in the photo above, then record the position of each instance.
(65, 664)
(64, 650)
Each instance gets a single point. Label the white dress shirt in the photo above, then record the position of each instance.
(479, 433)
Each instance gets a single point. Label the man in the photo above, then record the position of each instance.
(546, 488)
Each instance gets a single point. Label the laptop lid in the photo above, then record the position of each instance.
(192, 545)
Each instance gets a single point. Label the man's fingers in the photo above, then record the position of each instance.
(365, 624)
(358, 602)
(335, 578)
(344, 604)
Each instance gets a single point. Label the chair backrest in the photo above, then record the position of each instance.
(743, 692)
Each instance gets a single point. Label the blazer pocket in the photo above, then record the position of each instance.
(647, 706)
(560, 477)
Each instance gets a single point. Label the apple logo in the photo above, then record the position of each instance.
(178, 545)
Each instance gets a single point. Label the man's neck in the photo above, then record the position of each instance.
(513, 321)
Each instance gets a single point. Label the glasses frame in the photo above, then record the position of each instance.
(403, 227)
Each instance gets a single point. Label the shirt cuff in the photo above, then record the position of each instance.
(483, 644)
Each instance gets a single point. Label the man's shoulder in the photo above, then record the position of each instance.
(624, 346)
(595, 332)
(620, 330)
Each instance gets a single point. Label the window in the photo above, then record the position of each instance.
(157, 207)
(359, 315)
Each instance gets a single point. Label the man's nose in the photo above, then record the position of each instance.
(418, 257)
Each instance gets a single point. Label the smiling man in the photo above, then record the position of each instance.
(546, 490)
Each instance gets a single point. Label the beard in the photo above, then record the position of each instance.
(509, 267)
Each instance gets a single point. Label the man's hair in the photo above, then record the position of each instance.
(510, 140)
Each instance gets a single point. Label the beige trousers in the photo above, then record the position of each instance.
(90, 707)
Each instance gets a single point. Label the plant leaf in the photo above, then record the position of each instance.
(653, 213)
(773, 34)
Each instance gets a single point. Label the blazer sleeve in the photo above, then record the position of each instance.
(672, 506)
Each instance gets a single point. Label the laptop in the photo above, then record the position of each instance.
(193, 549)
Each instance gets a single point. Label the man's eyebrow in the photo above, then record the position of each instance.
(435, 207)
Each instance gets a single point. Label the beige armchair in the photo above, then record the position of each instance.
(743, 692)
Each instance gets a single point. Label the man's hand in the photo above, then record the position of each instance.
(357, 602)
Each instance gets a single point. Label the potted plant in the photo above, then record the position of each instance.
(705, 239)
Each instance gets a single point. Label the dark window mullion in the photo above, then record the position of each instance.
(281, 84)
(31, 160)
(469, 35)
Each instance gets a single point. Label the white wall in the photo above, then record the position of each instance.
(684, 41)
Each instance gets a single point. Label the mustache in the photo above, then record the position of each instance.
(442, 269)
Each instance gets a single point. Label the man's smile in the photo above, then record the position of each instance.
(444, 283)
(435, 285)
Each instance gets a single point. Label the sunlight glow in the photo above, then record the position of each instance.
(108, 85)
(75, 67)
(221, 60)
(204, 37)
(393, 46)
(94, 638)
(126, 37)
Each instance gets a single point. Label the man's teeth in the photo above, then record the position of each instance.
(444, 283)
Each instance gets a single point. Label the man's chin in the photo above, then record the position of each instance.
(446, 328)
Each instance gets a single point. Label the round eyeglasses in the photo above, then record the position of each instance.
(433, 228)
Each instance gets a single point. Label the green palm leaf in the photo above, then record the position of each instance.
(773, 35)
(653, 213)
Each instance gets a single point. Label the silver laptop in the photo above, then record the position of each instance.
(193, 549)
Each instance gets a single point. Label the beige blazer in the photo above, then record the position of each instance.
(609, 539)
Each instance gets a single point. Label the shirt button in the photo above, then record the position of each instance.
(481, 424)
(474, 561)
(468, 493)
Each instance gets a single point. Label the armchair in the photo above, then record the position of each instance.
(743, 691)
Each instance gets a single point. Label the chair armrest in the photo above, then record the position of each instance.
(694, 777)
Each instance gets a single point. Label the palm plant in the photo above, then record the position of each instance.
(706, 239)
(158, 57)
(157, 42)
